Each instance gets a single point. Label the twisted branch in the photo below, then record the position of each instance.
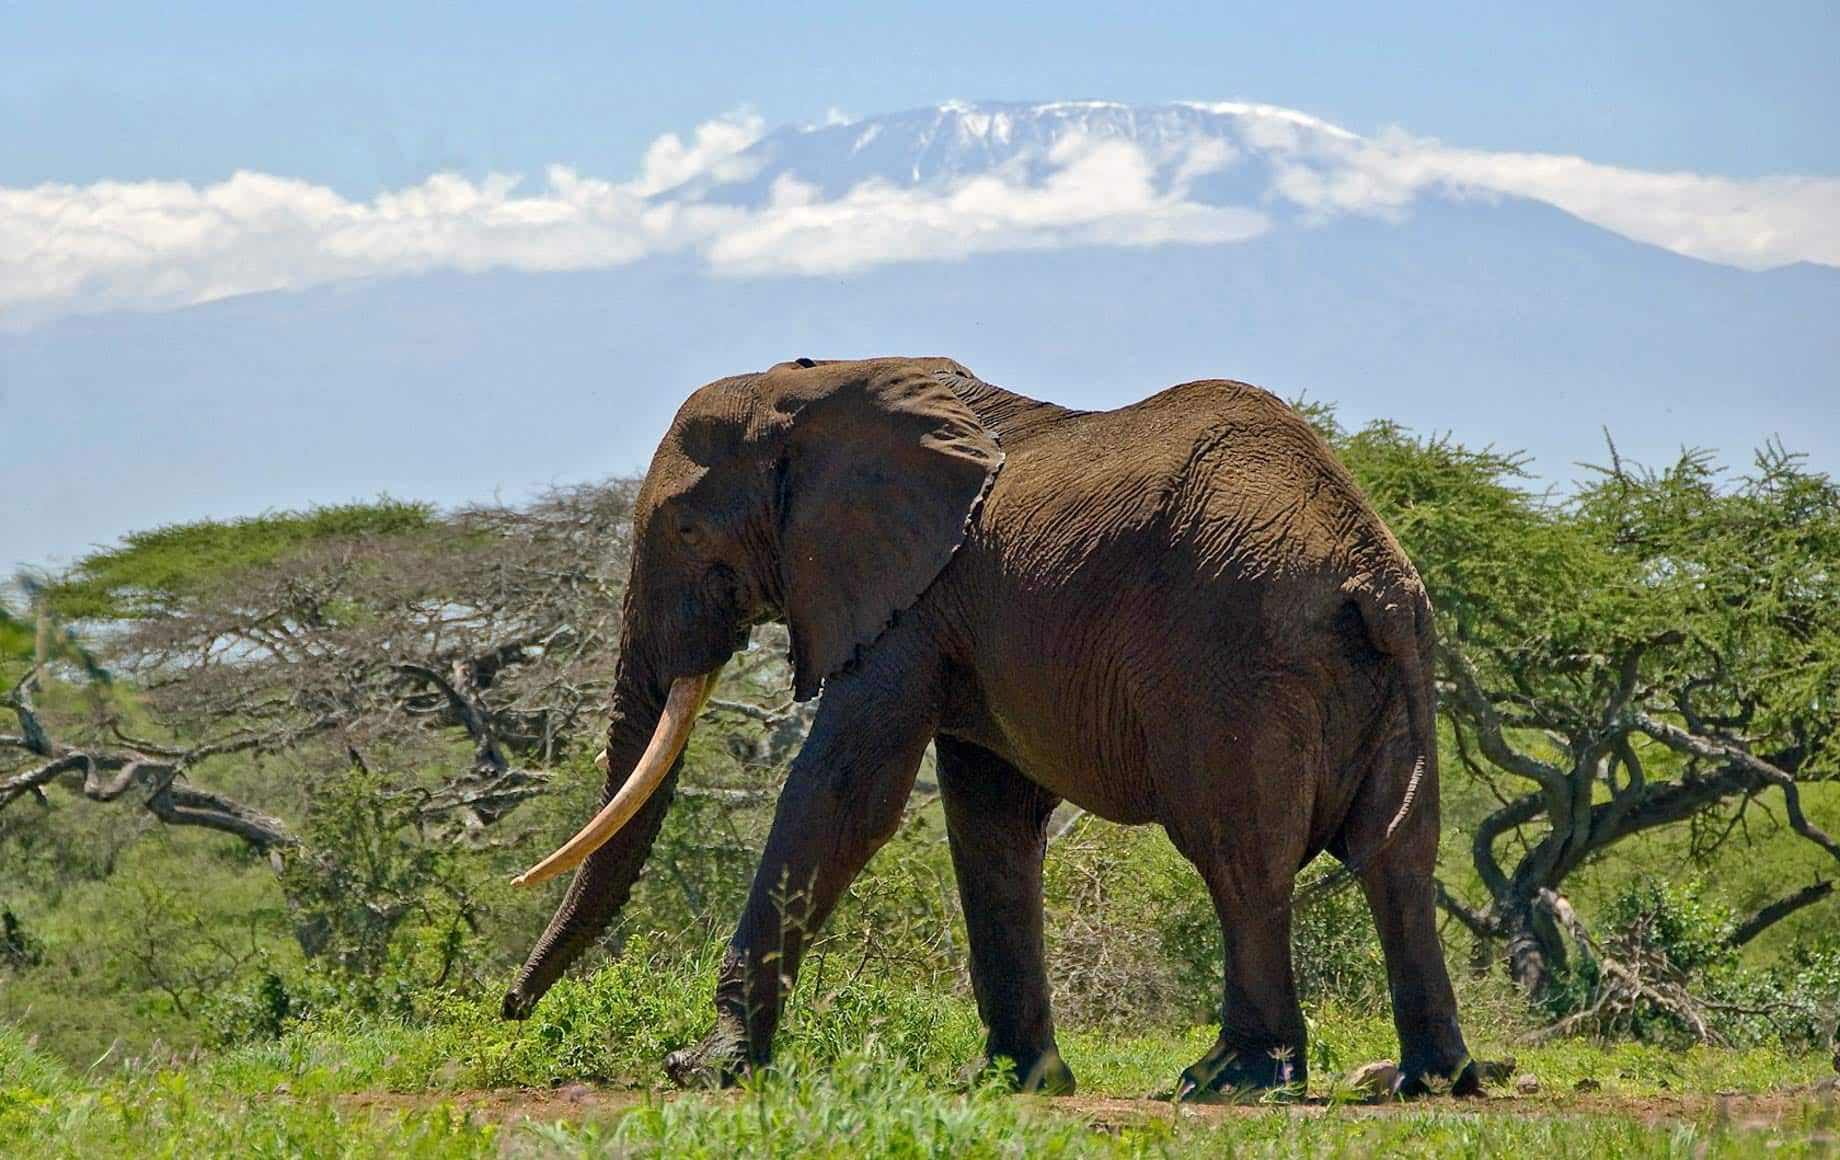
(1765, 917)
(1681, 741)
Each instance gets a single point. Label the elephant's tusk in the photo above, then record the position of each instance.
(680, 709)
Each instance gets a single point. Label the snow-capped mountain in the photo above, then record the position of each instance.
(1084, 251)
(1227, 145)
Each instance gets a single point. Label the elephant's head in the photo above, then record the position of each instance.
(827, 495)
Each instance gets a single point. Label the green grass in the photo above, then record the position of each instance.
(49, 1110)
(868, 1102)
(852, 1116)
(867, 1070)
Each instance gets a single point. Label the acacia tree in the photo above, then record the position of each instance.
(1658, 648)
(384, 640)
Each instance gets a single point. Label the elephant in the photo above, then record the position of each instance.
(1183, 611)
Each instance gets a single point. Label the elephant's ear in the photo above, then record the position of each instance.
(881, 472)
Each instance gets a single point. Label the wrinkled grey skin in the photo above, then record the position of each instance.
(1181, 612)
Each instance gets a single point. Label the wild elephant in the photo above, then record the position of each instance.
(1180, 612)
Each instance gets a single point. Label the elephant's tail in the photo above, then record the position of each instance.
(1400, 624)
(1413, 648)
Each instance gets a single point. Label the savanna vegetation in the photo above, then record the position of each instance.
(263, 783)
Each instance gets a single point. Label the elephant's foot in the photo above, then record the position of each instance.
(1381, 1080)
(719, 1061)
(1229, 1075)
(1457, 1077)
(1043, 1072)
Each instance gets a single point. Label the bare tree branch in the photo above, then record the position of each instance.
(1680, 740)
(1481, 923)
(33, 781)
(753, 712)
(1622, 984)
(32, 730)
(1516, 813)
(171, 802)
(467, 709)
(1487, 723)
(1767, 916)
(179, 805)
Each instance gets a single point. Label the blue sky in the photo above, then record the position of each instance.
(172, 170)
(363, 97)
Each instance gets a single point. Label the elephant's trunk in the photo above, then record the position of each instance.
(605, 878)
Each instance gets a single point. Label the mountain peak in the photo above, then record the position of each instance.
(1022, 141)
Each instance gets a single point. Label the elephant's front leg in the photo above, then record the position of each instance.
(843, 799)
(998, 823)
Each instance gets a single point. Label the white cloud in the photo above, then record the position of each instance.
(112, 245)
(1099, 193)
(156, 244)
(715, 153)
(1754, 224)
(140, 245)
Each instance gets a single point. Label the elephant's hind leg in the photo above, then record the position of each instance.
(1399, 880)
(997, 821)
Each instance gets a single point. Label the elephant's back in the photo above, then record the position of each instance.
(1221, 478)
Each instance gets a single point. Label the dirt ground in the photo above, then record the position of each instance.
(580, 1102)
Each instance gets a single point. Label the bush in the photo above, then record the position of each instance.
(1335, 948)
(1694, 984)
(1672, 923)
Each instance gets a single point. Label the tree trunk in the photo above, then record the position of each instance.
(1536, 952)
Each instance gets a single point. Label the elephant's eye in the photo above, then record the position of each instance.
(690, 529)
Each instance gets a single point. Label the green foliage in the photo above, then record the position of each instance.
(1607, 631)
(18, 946)
(1674, 933)
(18, 636)
(703, 862)
(1792, 1002)
(1131, 932)
(1673, 921)
(1748, 569)
(1336, 951)
(31, 633)
(1134, 937)
(149, 952)
(153, 570)
(369, 872)
(260, 1009)
(174, 947)
(1495, 555)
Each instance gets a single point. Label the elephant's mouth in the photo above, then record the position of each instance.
(680, 709)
